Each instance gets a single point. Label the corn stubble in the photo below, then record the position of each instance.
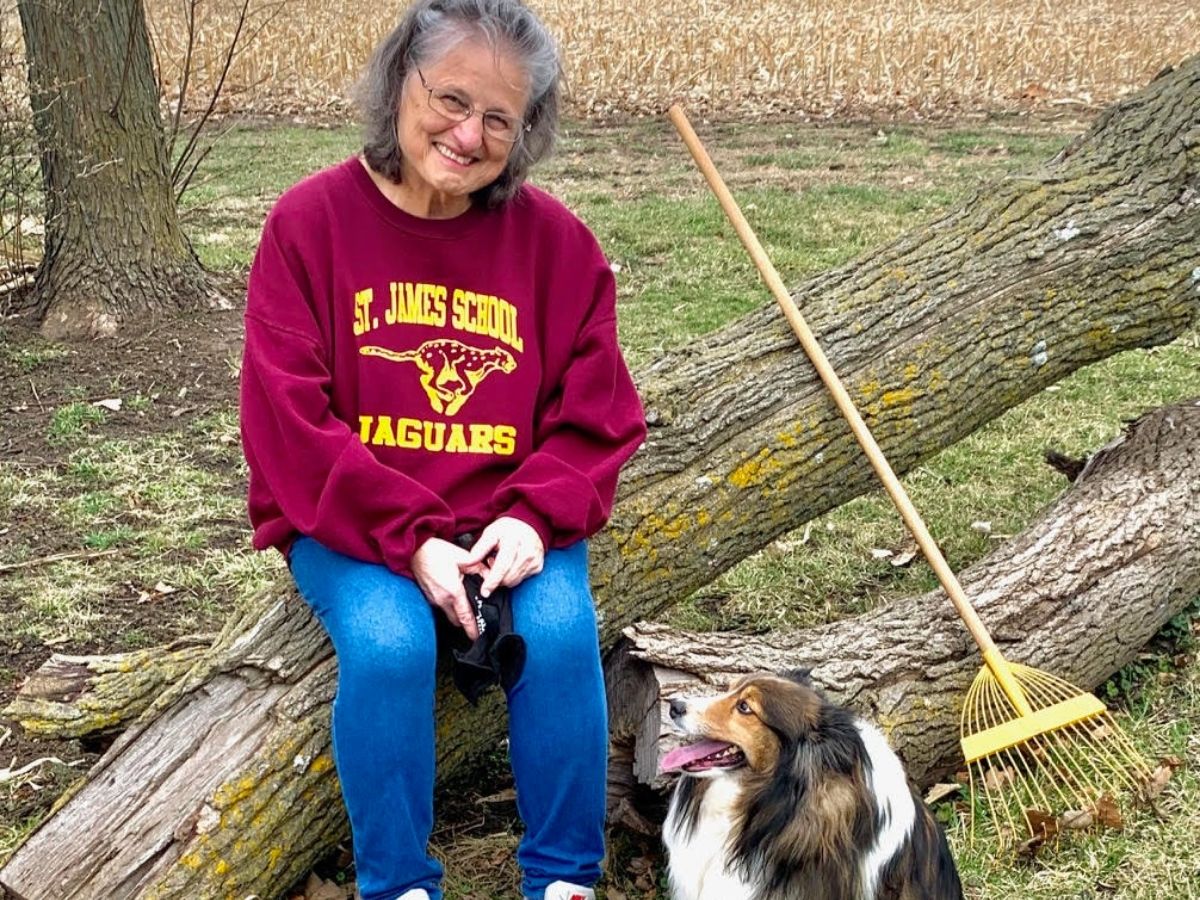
(775, 56)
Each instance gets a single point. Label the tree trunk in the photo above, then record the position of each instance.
(1077, 594)
(934, 335)
(113, 247)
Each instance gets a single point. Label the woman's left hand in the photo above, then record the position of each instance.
(518, 553)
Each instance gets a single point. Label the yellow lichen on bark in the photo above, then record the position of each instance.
(899, 397)
(757, 470)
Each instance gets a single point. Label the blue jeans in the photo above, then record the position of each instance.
(383, 632)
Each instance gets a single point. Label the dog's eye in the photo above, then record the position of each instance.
(744, 708)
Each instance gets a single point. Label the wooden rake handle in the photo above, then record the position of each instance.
(878, 461)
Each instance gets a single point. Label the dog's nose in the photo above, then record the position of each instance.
(678, 708)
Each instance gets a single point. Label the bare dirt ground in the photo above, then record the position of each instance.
(184, 358)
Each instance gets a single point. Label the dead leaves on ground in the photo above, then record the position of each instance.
(939, 792)
(160, 590)
(1104, 813)
(997, 778)
(899, 558)
(1160, 776)
(1045, 827)
(318, 888)
(645, 876)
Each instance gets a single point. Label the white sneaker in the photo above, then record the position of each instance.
(562, 890)
(414, 894)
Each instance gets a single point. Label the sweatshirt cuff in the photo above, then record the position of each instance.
(531, 517)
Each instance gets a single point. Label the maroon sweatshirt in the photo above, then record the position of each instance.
(408, 378)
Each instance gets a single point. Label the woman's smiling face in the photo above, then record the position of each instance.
(444, 161)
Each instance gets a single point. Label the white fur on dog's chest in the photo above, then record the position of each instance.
(698, 860)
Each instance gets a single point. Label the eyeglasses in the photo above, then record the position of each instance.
(450, 105)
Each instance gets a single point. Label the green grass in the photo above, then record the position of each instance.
(224, 208)
(11, 836)
(1158, 702)
(71, 422)
(683, 272)
(63, 607)
(1154, 857)
(30, 359)
(172, 519)
(818, 197)
(219, 434)
(106, 539)
(138, 403)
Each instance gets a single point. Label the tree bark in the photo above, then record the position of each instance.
(1077, 594)
(934, 335)
(78, 696)
(113, 247)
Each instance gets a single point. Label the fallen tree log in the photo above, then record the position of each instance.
(934, 335)
(224, 787)
(1077, 594)
(78, 696)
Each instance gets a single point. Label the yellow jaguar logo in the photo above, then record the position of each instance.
(450, 370)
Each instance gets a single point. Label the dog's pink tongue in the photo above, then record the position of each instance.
(681, 756)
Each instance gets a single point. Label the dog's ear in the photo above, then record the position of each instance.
(800, 676)
(792, 713)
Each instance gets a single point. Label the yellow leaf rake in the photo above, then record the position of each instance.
(1043, 743)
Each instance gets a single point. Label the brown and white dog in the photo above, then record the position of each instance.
(786, 796)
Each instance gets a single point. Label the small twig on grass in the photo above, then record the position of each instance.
(33, 388)
(57, 557)
(9, 774)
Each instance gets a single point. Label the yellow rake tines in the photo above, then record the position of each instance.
(1053, 750)
(1016, 722)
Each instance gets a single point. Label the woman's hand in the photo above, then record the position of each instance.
(438, 568)
(516, 552)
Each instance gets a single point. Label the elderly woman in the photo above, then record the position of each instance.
(431, 353)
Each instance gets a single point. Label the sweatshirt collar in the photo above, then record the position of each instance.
(439, 229)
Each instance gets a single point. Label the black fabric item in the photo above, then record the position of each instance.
(498, 654)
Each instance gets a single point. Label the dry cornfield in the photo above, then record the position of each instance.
(733, 58)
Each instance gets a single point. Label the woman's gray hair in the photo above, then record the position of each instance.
(429, 29)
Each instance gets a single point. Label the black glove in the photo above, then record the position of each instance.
(498, 654)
